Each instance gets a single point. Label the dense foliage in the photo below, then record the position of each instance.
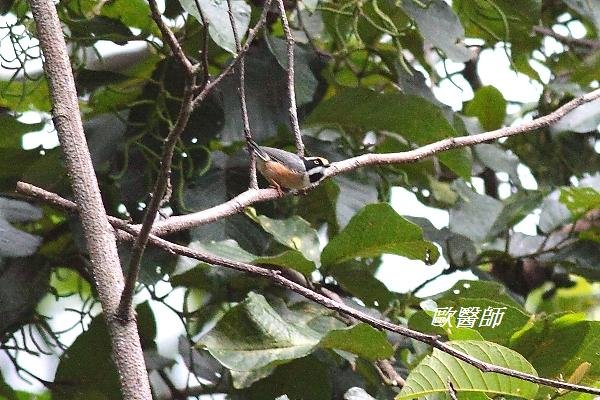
(366, 78)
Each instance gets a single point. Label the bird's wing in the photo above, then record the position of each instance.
(291, 160)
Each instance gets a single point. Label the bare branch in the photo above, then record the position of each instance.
(100, 238)
(170, 38)
(249, 197)
(157, 199)
(276, 277)
(242, 95)
(202, 91)
(292, 110)
(568, 40)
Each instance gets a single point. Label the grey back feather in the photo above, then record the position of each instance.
(285, 157)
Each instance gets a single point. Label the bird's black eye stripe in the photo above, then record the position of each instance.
(312, 162)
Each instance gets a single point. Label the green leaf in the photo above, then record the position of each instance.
(130, 13)
(13, 130)
(498, 159)
(251, 335)
(355, 279)
(361, 339)
(88, 367)
(293, 232)
(375, 230)
(305, 82)
(580, 200)
(23, 282)
(474, 214)
(588, 9)
(25, 95)
(216, 14)
(432, 374)
(292, 259)
(489, 107)
(558, 345)
(499, 20)
(438, 24)
(290, 381)
(394, 112)
(15, 242)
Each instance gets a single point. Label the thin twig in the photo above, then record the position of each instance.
(568, 40)
(202, 91)
(452, 391)
(170, 38)
(249, 197)
(276, 277)
(242, 95)
(292, 110)
(205, 38)
(160, 188)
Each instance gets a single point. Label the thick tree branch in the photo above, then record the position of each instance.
(249, 197)
(276, 277)
(292, 110)
(99, 236)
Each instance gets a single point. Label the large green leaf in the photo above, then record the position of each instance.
(394, 112)
(252, 335)
(88, 367)
(23, 282)
(558, 345)
(474, 214)
(432, 374)
(290, 382)
(438, 24)
(288, 259)
(293, 232)
(362, 340)
(580, 200)
(13, 130)
(488, 106)
(215, 13)
(375, 230)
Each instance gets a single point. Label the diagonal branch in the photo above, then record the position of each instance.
(170, 38)
(249, 197)
(277, 277)
(292, 110)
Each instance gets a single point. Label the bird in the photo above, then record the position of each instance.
(283, 169)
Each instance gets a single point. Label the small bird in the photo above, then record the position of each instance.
(288, 170)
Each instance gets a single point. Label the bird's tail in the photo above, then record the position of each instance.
(259, 152)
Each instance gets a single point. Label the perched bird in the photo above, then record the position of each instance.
(288, 170)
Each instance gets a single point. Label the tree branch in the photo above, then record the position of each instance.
(568, 40)
(276, 277)
(157, 198)
(99, 236)
(162, 184)
(202, 91)
(249, 197)
(242, 95)
(170, 38)
(292, 110)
